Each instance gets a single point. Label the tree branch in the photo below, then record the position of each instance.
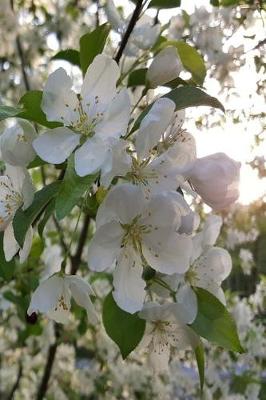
(76, 259)
(47, 371)
(16, 384)
(131, 25)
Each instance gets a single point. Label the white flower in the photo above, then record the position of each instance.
(247, 261)
(164, 332)
(210, 265)
(162, 150)
(165, 67)
(93, 123)
(16, 144)
(53, 297)
(130, 230)
(16, 191)
(215, 178)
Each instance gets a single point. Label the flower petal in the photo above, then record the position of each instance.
(11, 247)
(59, 102)
(90, 157)
(167, 252)
(128, 284)
(45, 297)
(56, 145)
(123, 203)
(153, 125)
(81, 292)
(105, 246)
(116, 117)
(99, 83)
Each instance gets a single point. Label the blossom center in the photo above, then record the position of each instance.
(134, 233)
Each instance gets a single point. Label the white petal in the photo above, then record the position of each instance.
(81, 292)
(91, 156)
(167, 252)
(25, 251)
(120, 164)
(59, 102)
(165, 210)
(16, 144)
(123, 203)
(45, 297)
(11, 247)
(128, 284)
(116, 117)
(211, 230)
(187, 305)
(165, 67)
(56, 145)
(153, 125)
(100, 80)
(113, 16)
(216, 267)
(105, 246)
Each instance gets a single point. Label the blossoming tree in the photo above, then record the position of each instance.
(97, 175)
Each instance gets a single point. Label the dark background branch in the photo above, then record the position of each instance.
(131, 25)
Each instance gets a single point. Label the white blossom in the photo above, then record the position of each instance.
(53, 297)
(16, 191)
(165, 67)
(164, 332)
(131, 229)
(16, 144)
(215, 178)
(93, 123)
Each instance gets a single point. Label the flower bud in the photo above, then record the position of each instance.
(16, 144)
(215, 178)
(165, 67)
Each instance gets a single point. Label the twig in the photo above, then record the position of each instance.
(16, 384)
(47, 371)
(21, 55)
(131, 25)
(76, 259)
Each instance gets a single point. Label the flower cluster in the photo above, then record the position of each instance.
(146, 232)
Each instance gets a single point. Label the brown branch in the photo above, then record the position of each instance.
(131, 25)
(76, 259)
(16, 384)
(47, 371)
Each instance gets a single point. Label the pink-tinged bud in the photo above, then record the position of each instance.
(215, 178)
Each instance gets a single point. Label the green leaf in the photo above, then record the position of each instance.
(92, 44)
(71, 190)
(24, 219)
(49, 209)
(137, 77)
(7, 268)
(8, 112)
(199, 353)
(192, 61)
(184, 97)
(70, 55)
(125, 329)
(37, 162)
(214, 323)
(164, 3)
(214, 3)
(31, 102)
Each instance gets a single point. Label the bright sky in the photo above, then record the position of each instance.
(236, 140)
